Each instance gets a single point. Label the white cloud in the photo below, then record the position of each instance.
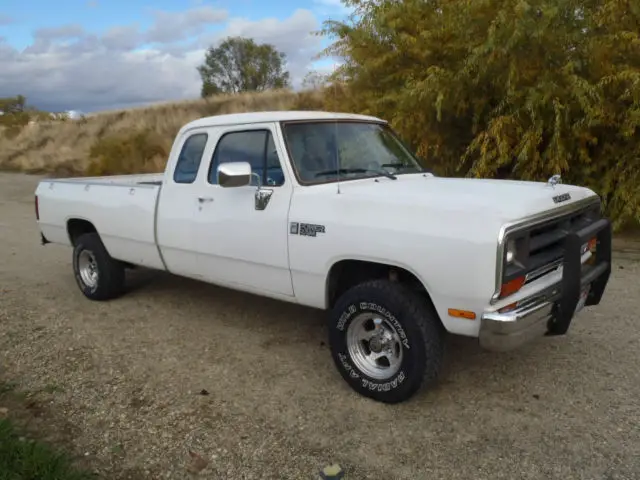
(294, 36)
(172, 27)
(124, 37)
(64, 31)
(67, 68)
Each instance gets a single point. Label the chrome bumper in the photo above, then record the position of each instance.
(550, 312)
(508, 331)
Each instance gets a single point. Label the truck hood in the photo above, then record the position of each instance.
(506, 200)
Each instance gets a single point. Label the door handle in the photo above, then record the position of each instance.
(205, 199)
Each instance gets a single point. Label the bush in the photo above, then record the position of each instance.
(308, 100)
(509, 89)
(11, 131)
(137, 152)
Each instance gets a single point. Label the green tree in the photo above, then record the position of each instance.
(239, 65)
(14, 115)
(505, 88)
(314, 80)
(13, 105)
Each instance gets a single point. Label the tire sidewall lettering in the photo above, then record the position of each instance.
(344, 360)
(349, 312)
(386, 386)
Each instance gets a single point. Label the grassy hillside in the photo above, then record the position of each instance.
(127, 141)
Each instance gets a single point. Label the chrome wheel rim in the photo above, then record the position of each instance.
(88, 268)
(374, 346)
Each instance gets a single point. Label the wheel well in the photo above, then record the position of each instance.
(348, 273)
(77, 227)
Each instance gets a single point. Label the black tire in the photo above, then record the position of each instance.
(111, 272)
(419, 329)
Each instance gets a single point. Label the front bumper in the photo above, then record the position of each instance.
(549, 312)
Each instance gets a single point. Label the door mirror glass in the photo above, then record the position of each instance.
(234, 174)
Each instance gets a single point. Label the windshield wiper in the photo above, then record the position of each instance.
(400, 165)
(358, 170)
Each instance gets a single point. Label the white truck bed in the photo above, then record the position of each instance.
(120, 180)
(121, 207)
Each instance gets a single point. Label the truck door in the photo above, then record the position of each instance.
(241, 241)
(179, 201)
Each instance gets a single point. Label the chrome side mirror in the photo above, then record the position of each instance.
(262, 195)
(234, 174)
(239, 174)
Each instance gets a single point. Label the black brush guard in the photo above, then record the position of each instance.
(575, 276)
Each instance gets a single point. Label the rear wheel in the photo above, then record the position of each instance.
(99, 276)
(386, 340)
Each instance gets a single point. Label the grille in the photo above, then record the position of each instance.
(543, 244)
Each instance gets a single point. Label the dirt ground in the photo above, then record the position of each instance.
(133, 385)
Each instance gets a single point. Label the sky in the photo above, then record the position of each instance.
(91, 55)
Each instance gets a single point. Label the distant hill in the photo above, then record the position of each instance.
(79, 147)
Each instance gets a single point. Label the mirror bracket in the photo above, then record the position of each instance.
(262, 197)
(254, 174)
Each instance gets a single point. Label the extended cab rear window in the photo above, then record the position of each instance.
(190, 157)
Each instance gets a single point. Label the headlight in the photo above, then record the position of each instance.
(512, 260)
(515, 252)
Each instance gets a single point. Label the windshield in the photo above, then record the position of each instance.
(329, 151)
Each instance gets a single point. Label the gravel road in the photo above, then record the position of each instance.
(124, 380)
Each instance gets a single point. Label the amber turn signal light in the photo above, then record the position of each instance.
(454, 312)
(512, 286)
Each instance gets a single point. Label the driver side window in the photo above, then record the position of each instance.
(254, 146)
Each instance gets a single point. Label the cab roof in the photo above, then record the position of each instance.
(275, 116)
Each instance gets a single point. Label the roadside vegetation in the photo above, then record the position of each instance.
(494, 88)
(23, 459)
(21, 456)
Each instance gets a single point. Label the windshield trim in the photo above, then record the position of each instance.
(382, 123)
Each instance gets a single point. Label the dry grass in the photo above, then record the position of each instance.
(64, 148)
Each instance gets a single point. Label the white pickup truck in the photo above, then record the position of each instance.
(334, 212)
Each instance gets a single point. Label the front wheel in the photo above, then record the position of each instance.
(386, 340)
